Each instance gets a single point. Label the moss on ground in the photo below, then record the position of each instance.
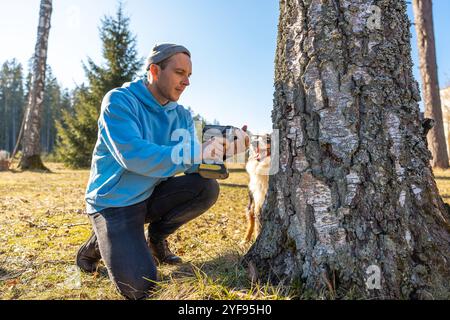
(42, 224)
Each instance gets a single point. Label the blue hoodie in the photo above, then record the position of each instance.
(135, 148)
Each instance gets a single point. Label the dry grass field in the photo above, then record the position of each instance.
(42, 224)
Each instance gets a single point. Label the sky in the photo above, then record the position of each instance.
(232, 43)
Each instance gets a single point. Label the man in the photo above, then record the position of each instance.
(132, 175)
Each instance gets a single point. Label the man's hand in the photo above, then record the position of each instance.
(213, 150)
(239, 145)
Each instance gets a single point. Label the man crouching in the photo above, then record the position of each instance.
(132, 180)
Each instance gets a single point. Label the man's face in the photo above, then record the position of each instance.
(174, 78)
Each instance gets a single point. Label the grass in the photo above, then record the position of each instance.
(42, 224)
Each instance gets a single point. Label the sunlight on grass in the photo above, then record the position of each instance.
(42, 224)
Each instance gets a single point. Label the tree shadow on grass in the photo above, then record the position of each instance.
(441, 178)
(224, 274)
(3, 272)
(34, 171)
(9, 274)
(234, 185)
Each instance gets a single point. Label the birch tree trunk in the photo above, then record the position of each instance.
(354, 209)
(423, 13)
(31, 145)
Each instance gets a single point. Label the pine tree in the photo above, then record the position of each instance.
(78, 129)
(55, 101)
(11, 103)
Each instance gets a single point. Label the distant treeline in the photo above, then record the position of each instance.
(14, 90)
(69, 119)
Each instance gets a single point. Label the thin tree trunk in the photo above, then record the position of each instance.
(47, 132)
(423, 13)
(14, 126)
(20, 135)
(6, 123)
(47, 135)
(354, 210)
(31, 146)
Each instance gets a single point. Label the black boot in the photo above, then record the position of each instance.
(88, 255)
(161, 252)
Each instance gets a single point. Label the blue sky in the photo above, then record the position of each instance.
(232, 42)
(441, 12)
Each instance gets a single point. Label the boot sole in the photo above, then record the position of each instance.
(79, 263)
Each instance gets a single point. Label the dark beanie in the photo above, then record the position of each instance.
(163, 51)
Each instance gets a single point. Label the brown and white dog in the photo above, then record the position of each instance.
(258, 167)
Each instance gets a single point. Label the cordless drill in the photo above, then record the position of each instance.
(217, 170)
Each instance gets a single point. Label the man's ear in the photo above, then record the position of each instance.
(154, 71)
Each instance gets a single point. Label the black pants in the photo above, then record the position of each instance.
(120, 231)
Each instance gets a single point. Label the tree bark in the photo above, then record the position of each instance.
(31, 146)
(423, 13)
(354, 210)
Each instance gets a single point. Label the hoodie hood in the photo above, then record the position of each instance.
(140, 91)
